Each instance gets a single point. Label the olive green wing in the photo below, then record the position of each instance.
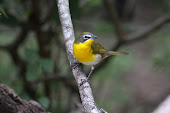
(99, 49)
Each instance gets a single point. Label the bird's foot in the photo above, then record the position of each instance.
(87, 79)
(84, 81)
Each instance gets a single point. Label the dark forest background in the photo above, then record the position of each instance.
(33, 59)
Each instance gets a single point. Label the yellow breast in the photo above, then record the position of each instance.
(83, 51)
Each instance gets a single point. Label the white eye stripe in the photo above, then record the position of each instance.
(87, 36)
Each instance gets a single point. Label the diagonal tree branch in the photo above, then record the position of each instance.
(138, 35)
(148, 29)
(68, 32)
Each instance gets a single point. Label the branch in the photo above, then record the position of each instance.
(11, 103)
(13, 47)
(148, 29)
(164, 107)
(115, 20)
(68, 32)
(138, 35)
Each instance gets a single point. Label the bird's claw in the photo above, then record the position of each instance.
(84, 81)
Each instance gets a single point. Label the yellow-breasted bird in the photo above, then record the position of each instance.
(89, 52)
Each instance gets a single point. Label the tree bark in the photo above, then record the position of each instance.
(11, 103)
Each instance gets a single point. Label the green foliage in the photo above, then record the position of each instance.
(11, 21)
(56, 16)
(114, 91)
(163, 61)
(40, 89)
(2, 11)
(47, 65)
(91, 5)
(31, 55)
(115, 68)
(6, 63)
(103, 28)
(7, 69)
(74, 9)
(108, 27)
(6, 37)
(37, 66)
(163, 5)
(44, 101)
(161, 56)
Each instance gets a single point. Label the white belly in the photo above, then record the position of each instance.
(96, 61)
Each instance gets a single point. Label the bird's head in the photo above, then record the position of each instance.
(85, 36)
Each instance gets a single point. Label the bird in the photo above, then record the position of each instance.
(89, 52)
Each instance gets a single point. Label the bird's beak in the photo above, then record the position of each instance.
(94, 37)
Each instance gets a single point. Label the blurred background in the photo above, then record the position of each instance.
(33, 59)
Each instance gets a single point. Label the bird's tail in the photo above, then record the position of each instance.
(109, 53)
(117, 53)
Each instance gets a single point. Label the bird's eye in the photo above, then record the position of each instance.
(87, 37)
